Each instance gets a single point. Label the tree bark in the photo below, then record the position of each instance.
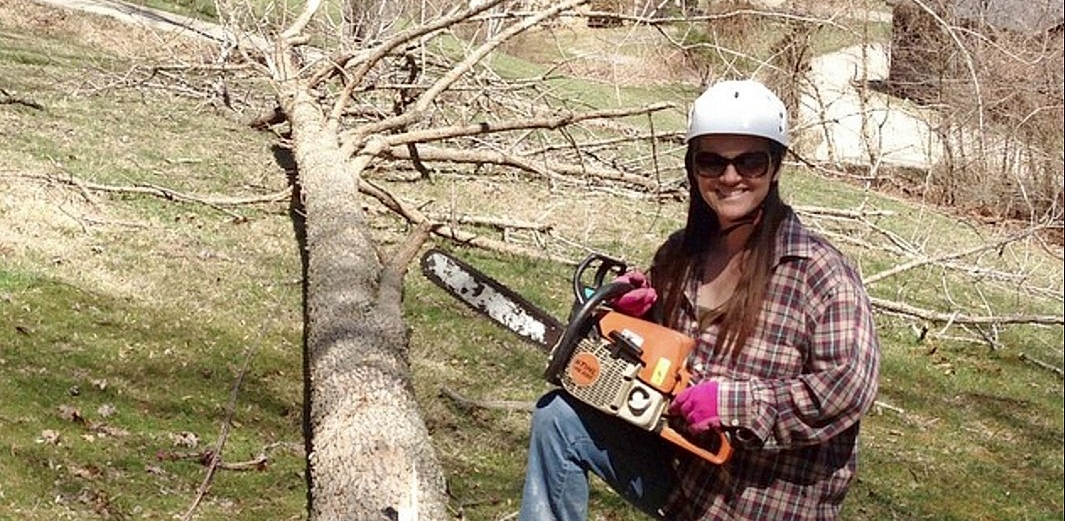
(370, 456)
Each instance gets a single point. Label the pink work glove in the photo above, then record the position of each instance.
(698, 406)
(637, 301)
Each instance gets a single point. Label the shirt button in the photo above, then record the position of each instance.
(735, 422)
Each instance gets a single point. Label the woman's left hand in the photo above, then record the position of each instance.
(698, 406)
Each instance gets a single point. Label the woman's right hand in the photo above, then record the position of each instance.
(637, 301)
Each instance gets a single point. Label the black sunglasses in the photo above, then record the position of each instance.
(749, 165)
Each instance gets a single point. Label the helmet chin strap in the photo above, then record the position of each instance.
(752, 218)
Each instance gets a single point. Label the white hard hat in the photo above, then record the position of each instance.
(739, 107)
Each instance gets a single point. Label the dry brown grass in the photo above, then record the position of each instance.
(101, 33)
(627, 55)
(101, 240)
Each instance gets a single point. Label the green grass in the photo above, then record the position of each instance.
(135, 304)
(163, 372)
(150, 307)
(975, 414)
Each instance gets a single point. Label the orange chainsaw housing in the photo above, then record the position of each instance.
(638, 386)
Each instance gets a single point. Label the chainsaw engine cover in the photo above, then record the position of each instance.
(625, 367)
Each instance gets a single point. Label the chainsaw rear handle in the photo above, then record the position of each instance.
(606, 266)
(582, 321)
(721, 455)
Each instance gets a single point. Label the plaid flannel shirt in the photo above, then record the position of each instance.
(792, 397)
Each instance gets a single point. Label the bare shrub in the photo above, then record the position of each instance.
(709, 44)
(789, 62)
(999, 89)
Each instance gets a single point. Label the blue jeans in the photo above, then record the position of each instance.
(568, 439)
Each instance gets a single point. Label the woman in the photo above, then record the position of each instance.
(786, 360)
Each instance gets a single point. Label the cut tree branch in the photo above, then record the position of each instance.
(955, 255)
(389, 46)
(956, 318)
(552, 172)
(426, 99)
(494, 222)
(215, 202)
(416, 217)
(215, 455)
(551, 122)
(302, 20)
(390, 289)
(7, 99)
(1044, 365)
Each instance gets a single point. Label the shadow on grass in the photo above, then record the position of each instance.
(285, 159)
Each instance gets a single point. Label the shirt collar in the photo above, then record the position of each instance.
(793, 239)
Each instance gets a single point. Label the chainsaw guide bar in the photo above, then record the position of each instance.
(492, 299)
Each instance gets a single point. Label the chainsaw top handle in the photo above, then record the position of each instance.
(606, 265)
(582, 322)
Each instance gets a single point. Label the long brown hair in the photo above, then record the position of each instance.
(683, 254)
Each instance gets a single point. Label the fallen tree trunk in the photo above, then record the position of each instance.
(369, 453)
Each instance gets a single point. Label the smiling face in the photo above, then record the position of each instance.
(732, 196)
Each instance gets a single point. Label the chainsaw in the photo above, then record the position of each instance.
(620, 365)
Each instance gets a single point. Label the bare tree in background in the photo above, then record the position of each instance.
(367, 19)
(993, 70)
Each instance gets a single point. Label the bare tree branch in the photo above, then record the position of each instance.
(381, 51)
(216, 454)
(872, 279)
(554, 172)
(217, 202)
(670, 20)
(957, 318)
(302, 20)
(7, 99)
(952, 32)
(1044, 365)
(494, 222)
(416, 217)
(488, 127)
(390, 290)
(457, 70)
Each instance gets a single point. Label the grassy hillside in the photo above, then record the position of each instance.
(126, 319)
